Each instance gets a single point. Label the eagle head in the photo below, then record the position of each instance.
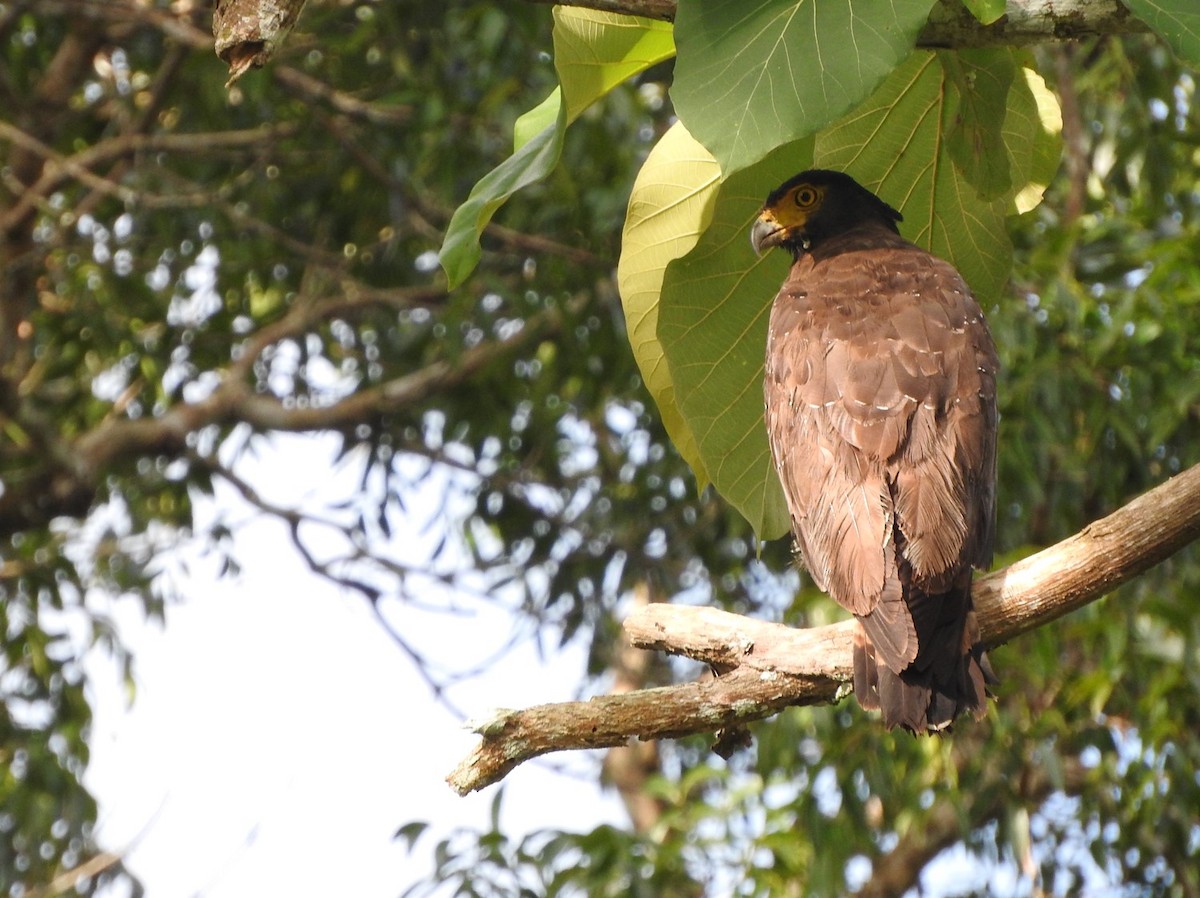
(813, 206)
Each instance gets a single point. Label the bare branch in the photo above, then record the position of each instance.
(79, 166)
(70, 487)
(512, 737)
(1026, 22)
(67, 880)
(176, 25)
(771, 666)
(309, 88)
(235, 401)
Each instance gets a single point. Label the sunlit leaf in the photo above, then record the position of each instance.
(751, 76)
(713, 324)
(1032, 135)
(542, 116)
(593, 53)
(669, 208)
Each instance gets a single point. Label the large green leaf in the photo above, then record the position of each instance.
(751, 76)
(669, 208)
(596, 51)
(712, 323)
(714, 304)
(1175, 21)
(981, 80)
(900, 143)
(542, 116)
(593, 53)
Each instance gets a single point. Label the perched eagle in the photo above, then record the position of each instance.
(881, 412)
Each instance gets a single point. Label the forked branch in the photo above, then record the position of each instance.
(767, 667)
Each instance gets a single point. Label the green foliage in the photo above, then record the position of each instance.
(593, 53)
(986, 11)
(532, 162)
(1091, 739)
(712, 324)
(910, 142)
(262, 262)
(670, 206)
(984, 118)
(1176, 21)
(281, 242)
(604, 862)
(750, 78)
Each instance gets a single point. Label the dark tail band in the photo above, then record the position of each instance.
(950, 677)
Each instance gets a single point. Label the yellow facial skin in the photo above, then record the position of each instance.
(784, 217)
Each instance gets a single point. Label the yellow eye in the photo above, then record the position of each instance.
(805, 197)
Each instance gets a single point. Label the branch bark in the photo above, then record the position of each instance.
(249, 32)
(771, 666)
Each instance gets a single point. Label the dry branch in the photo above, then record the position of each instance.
(771, 666)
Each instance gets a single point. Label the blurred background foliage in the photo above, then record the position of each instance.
(185, 271)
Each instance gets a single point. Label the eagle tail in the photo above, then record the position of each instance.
(950, 675)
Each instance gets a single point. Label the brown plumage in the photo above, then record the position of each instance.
(881, 413)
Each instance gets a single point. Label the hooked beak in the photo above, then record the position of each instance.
(765, 234)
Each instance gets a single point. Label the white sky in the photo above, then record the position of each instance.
(278, 737)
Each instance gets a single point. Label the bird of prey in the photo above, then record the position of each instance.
(880, 394)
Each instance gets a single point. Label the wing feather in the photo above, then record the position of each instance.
(880, 408)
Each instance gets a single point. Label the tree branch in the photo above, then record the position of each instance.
(772, 666)
(79, 166)
(952, 26)
(69, 487)
(1026, 22)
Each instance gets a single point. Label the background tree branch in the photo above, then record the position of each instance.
(71, 488)
(768, 667)
(896, 871)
